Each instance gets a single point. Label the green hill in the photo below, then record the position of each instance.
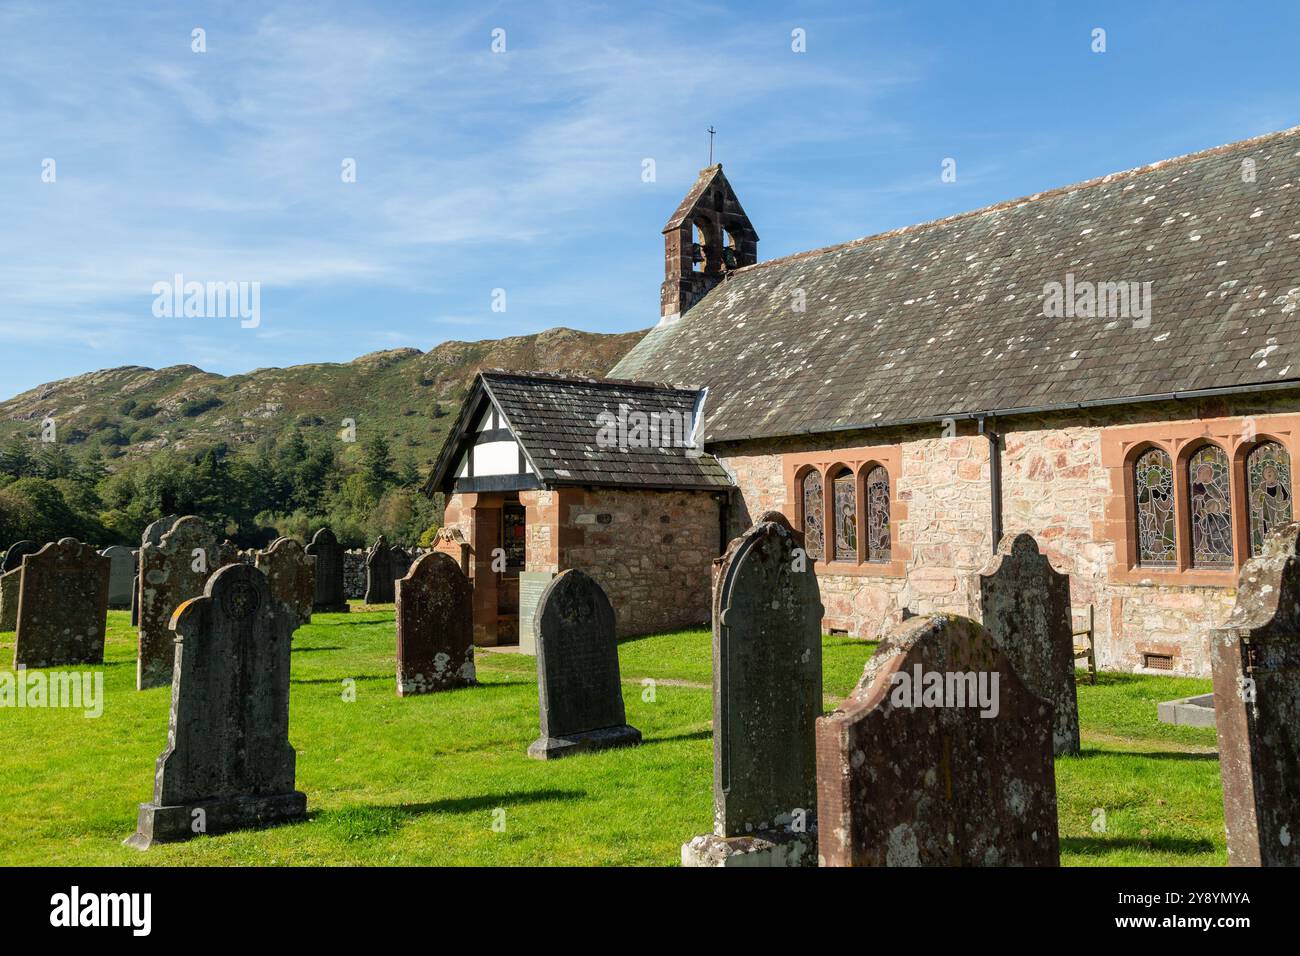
(407, 396)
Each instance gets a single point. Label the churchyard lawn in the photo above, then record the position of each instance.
(444, 778)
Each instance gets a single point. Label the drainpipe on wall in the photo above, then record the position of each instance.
(995, 479)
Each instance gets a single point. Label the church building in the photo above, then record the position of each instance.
(1112, 367)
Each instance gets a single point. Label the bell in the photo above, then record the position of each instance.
(696, 255)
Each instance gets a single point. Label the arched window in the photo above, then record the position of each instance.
(844, 494)
(878, 514)
(1153, 482)
(1268, 487)
(700, 250)
(814, 520)
(1210, 508)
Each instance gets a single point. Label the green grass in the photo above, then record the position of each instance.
(419, 780)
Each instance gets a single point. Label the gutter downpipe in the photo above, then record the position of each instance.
(995, 478)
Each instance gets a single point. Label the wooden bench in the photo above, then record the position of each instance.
(1087, 648)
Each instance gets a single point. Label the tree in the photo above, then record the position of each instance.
(16, 460)
(377, 466)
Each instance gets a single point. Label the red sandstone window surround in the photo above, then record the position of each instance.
(845, 501)
(1191, 501)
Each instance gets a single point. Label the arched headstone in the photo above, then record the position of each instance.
(435, 627)
(380, 573)
(291, 572)
(767, 696)
(172, 571)
(1025, 604)
(327, 551)
(62, 606)
(580, 694)
(1255, 658)
(17, 551)
(940, 757)
(228, 763)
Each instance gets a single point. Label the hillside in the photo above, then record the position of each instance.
(407, 395)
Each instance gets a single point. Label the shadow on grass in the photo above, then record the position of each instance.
(1090, 752)
(1096, 846)
(339, 680)
(312, 650)
(377, 820)
(673, 738)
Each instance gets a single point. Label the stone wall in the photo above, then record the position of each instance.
(651, 551)
(1054, 486)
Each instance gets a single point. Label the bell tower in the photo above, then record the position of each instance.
(708, 236)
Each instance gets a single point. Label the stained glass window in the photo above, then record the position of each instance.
(1153, 477)
(1211, 508)
(877, 514)
(845, 494)
(813, 515)
(1268, 482)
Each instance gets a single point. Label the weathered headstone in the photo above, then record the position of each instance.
(1025, 604)
(940, 757)
(435, 627)
(1255, 658)
(402, 562)
(292, 574)
(532, 585)
(228, 762)
(767, 696)
(227, 553)
(17, 551)
(120, 575)
(380, 573)
(152, 534)
(172, 571)
(62, 606)
(327, 551)
(579, 691)
(10, 585)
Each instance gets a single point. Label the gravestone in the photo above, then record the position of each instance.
(1255, 659)
(292, 574)
(10, 584)
(327, 551)
(767, 696)
(17, 551)
(380, 573)
(941, 756)
(62, 606)
(1025, 605)
(120, 575)
(435, 627)
(402, 562)
(135, 597)
(227, 553)
(152, 534)
(172, 571)
(579, 692)
(228, 763)
(532, 585)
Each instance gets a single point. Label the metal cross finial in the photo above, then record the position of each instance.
(711, 132)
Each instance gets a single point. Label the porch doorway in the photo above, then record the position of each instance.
(514, 529)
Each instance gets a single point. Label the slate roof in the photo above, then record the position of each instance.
(555, 419)
(946, 318)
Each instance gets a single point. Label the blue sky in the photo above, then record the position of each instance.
(522, 170)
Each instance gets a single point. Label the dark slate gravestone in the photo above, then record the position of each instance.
(380, 573)
(135, 597)
(1025, 604)
(10, 585)
(940, 757)
(62, 606)
(228, 762)
(120, 575)
(172, 571)
(767, 696)
(435, 627)
(292, 574)
(1255, 658)
(17, 551)
(402, 562)
(327, 551)
(578, 686)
